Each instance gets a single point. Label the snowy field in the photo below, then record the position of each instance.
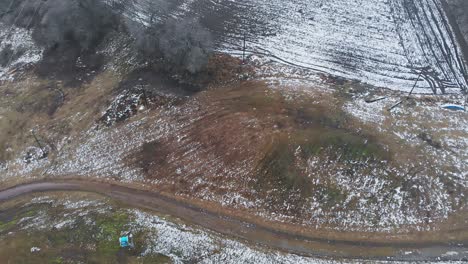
(170, 237)
(17, 49)
(383, 43)
(389, 44)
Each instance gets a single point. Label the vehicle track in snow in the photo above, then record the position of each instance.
(437, 43)
(380, 42)
(385, 43)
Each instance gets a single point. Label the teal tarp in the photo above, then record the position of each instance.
(124, 241)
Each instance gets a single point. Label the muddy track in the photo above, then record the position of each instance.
(251, 233)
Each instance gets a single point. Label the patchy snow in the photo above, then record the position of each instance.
(81, 204)
(173, 238)
(379, 202)
(180, 242)
(21, 47)
(65, 223)
(35, 249)
(441, 137)
(187, 244)
(369, 40)
(369, 113)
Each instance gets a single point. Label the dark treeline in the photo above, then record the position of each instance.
(57, 23)
(184, 44)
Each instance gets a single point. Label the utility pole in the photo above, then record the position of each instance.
(145, 98)
(37, 141)
(414, 86)
(408, 96)
(243, 48)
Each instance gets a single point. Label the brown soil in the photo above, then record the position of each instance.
(243, 141)
(219, 141)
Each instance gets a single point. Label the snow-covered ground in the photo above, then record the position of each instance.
(171, 238)
(390, 44)
(384, 43)
(17, 49)
(424, 182)
(167, 236)
(441, 137)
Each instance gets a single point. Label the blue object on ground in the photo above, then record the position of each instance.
(124, 241)
(453, 107)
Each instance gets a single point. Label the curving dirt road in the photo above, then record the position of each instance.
(252, 233)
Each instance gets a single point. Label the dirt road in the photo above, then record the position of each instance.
(249, 232)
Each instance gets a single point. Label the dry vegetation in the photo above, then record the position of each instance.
(293, 157)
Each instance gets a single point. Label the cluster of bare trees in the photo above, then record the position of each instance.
(184, 44)
(60, 22)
